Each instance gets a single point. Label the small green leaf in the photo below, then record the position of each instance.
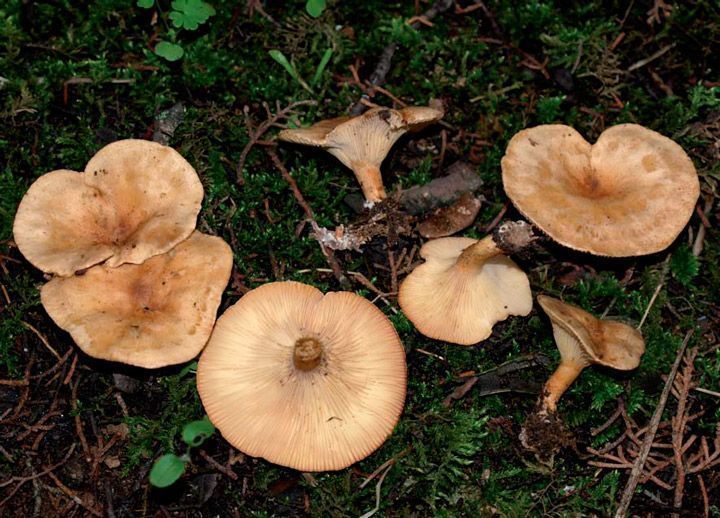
(195, 433)
(190, 367)
(684, 265)
(166, 470)
(145, 4)
(323, 63)
(169, 51)
(190, 14)
(280, 58)
(315, 8)
(289, 68)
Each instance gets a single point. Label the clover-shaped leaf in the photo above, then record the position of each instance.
(145, 4)
(195, 433)
(169, 51)
(315, 8)
(166, 470)
(190, 14)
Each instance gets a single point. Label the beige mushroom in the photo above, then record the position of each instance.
(362, 143)
(310, 381)
(466, 286)
(583, 340)
(629, 194)
(136, 199)
(158, 313)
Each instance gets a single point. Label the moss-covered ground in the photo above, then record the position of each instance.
(78, 75)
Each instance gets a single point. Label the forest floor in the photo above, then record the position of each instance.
(78, 436)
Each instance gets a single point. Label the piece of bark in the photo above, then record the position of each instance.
(446, 221)
(460, 178)
(501, 379)
(126, 384)
(167, 122)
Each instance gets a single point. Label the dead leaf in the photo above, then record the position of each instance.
(454, 218)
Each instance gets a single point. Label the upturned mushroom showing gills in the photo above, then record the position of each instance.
(583, 340)
(136, 199)
(151, 315)
(631, 193)
(362, 143)
(466, 286)
(310, 381)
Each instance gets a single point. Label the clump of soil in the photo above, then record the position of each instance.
(545, 435)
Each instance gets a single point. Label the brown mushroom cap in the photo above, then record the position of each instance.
(136, 199)
(157, 313)
(629, 194)
(362, 143)
(582, 338)
(460, 303)
(310, 381)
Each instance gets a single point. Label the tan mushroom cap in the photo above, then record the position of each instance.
(136, 199)
(362, 143)
(310, 381)
(460, 301)
(629, 194)
(157, 313)
(583, 338)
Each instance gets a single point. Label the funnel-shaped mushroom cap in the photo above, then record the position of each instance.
(629, 194)
(136, 199)
(310, 381)
(365, 138)
(584, 339)
(362, 143)
(157, 313)
(458, 301)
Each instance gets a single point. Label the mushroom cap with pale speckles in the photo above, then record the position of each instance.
(629, 194)
(322, 419)
(151, 315)
(136, 199)
(461, 305)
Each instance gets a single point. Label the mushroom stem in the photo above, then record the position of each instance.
(555, 387)
(371, 182)
(307, 354)
(508, 238)
(475, 255)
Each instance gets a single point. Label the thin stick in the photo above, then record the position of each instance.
(329, 254)
(666, 267)
(384, 465)
(255, 134)
(636, 472)
(378, 488)
(650, 59)
(377, 78)
(42, 339)
(222, 469)
(706, 391)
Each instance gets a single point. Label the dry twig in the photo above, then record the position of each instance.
(273, 120)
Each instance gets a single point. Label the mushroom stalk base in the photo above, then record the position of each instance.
(307, 354)
(555, 387)
(371, 182)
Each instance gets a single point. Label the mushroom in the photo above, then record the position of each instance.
(362, 143)
(136, 199)
(582, 340)
(157, 313)
(310, 381)
(629, 194)
(466, 286)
